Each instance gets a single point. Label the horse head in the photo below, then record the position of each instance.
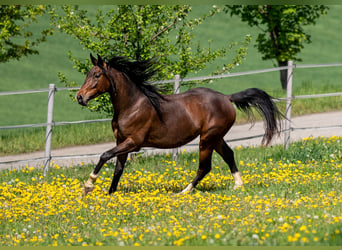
(96, 82)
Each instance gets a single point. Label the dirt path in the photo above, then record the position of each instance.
(71, 155)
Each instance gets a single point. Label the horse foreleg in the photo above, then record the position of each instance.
(120, 164)
(203, 169)
(228, 156)
(123, 148)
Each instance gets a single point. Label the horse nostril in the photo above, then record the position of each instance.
(80, 99)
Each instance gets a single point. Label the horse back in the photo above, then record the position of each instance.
(189, 114)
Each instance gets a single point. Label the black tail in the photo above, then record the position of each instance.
(264, 104)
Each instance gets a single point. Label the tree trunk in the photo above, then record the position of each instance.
(283, 75)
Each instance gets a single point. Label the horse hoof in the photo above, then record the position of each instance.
(87, 190)
(236, 186)
(189, 189)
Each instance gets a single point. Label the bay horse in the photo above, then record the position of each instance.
(143, 117)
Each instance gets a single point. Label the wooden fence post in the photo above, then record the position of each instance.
(49, 121)
(288, 106)
(176, 90)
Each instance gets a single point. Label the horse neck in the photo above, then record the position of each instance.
(125, 93)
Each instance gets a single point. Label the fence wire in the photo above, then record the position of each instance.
(172, 81)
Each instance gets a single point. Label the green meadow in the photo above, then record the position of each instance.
(289, 198)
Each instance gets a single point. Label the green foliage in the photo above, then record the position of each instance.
(282, 26)
(140, 33)
(282, 34)
(15, 38)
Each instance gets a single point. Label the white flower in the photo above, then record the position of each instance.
(255, 236)
(299, 220)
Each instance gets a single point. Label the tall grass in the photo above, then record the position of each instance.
(289, 198)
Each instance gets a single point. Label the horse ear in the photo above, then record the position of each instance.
(93, 60)
(99, 61)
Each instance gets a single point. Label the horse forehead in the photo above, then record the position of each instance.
(88, 80)
(93, 70)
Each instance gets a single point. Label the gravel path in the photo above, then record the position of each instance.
(71, 155)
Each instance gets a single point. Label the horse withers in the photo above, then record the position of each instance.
(143, 117)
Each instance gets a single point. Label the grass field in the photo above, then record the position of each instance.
(289, 198)
(38, 71)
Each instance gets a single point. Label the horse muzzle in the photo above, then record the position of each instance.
(81, 100)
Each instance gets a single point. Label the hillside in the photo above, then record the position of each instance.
(38, 71)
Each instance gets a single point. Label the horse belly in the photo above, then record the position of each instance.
(173, 133)
(169, 141)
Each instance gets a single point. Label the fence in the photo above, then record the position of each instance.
(177, 81)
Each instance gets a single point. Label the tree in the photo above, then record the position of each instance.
(15, 40)
(142, 32)
(282, 34)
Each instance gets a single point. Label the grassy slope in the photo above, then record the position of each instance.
(39, 70)
(324, 49)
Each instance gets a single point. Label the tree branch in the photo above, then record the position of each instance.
(163, 30)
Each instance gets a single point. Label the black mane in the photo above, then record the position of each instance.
(140, 72)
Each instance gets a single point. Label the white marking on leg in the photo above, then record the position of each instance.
(93, 176)
(189, 189)
(237, 179)
(89, 185)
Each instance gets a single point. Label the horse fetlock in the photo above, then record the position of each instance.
(93, 177)
(189, 189)
(89, 185)
(237, 179)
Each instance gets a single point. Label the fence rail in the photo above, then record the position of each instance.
(200, 78)
(52, 89)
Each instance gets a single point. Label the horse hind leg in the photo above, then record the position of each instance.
(228, 156)
(203, 169)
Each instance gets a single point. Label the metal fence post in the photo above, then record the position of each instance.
(49, 121)
(176, 90)
(288, 105)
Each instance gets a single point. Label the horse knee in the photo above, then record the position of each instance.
(105, 156)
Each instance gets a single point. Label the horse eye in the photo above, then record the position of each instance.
(97, 75)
